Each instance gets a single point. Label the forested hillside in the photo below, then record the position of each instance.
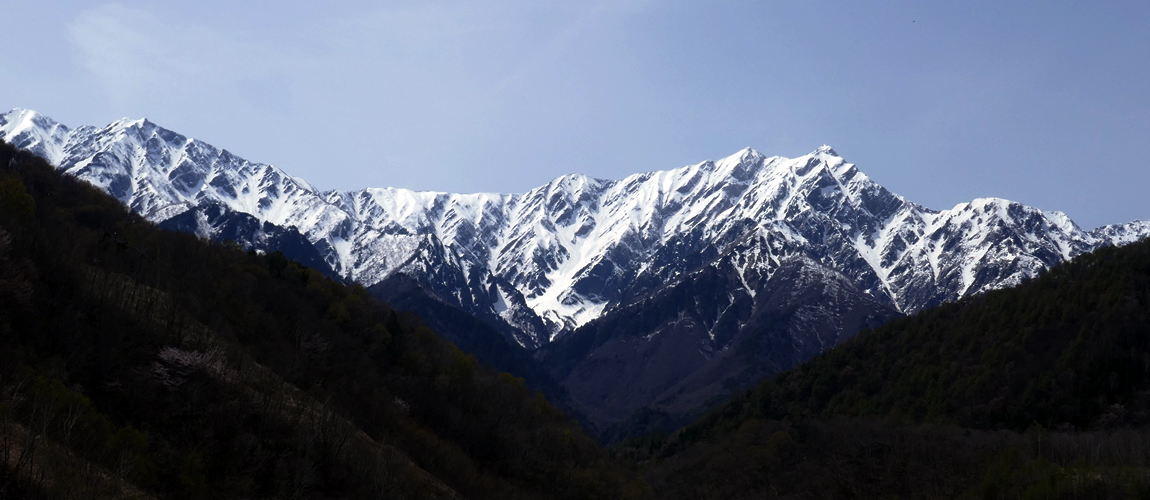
(1040, 391)
(136, 362)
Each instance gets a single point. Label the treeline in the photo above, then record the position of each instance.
(136, 362)
(1040, 391)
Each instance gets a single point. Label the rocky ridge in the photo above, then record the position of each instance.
(561, 259)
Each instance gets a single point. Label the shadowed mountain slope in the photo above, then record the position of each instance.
(141, 362)
(1038, 391)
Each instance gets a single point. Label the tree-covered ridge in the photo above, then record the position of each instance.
(1040, 391)
(139, 362)
(1069, 349)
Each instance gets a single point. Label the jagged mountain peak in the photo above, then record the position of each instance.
(825, 150)
(30, 130)
(749, 155)
(1122, 234)
(578, 246)
(577, 182)
(28, 118)
(139, 123)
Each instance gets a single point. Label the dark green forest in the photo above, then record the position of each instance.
(1039, 391)
(141, 363)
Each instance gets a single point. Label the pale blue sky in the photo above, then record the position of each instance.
(1046, 103)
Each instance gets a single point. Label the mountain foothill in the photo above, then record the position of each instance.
(180, 322)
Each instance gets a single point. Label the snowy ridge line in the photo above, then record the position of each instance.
(578, 247)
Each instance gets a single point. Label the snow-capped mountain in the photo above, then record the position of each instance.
(663, 289)
(556, 257)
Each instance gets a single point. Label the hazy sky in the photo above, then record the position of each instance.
(1046, 102)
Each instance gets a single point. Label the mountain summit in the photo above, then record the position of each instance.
(541, 265)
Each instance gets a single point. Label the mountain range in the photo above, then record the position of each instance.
(665, 289)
